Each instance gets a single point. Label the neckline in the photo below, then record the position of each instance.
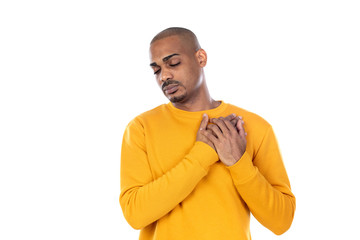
(211, 112)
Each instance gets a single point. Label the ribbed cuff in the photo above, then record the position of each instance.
(204, 154)
(242, 170)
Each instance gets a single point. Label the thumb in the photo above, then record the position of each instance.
(204, 122)
(239, 126)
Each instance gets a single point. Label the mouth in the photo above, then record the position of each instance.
(171, 89)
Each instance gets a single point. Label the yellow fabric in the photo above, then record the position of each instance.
(173, 187)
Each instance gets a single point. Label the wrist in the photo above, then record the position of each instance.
(243, 170)
(231, 161)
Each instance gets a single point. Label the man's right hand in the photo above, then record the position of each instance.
(200, 136)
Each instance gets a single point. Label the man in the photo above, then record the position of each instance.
(188, 168)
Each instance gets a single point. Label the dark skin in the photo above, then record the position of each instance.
(178, 70)
(226, 135)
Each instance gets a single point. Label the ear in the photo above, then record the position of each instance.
(201, 57)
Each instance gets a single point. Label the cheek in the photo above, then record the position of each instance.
(193, 77)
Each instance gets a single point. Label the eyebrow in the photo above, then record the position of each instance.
(164, 59)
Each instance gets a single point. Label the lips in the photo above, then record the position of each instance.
(171, 89)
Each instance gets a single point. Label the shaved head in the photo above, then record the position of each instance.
(187, 36)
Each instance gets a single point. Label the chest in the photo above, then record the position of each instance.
(168, 143)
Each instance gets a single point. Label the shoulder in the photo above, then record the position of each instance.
(250, 118)
(150, 115)
(135, 129)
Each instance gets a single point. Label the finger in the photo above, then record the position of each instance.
(204, 122)
(240, 127)
(215, 130)
(208, 128)
(231, 127)
(220, 123)
(234, 121)
(230, 117)
(208, 134)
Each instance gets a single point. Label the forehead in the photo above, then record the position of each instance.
(167, 46)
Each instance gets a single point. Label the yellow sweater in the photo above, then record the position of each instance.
(173, 187)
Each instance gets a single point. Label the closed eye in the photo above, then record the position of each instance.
(173, 65)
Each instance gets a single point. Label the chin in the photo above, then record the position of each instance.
(176, 99)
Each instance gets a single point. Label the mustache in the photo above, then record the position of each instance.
(168, 82)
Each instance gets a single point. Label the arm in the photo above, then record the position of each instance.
(144, 199)
(262, 182)
(264, 185)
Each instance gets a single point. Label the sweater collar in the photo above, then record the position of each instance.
(214, 112)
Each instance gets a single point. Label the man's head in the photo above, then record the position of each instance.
(185, 34)
(178, 60)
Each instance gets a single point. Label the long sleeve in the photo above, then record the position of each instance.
(144, 199)
(263, 184)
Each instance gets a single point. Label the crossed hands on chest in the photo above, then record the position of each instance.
(226, 135)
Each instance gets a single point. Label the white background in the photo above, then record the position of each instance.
(74, 73)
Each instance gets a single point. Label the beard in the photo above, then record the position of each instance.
(177, 99)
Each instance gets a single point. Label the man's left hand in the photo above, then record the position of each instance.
(229, 140)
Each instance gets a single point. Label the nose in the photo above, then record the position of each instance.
(165, 75)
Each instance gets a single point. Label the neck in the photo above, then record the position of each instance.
(199, 102)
